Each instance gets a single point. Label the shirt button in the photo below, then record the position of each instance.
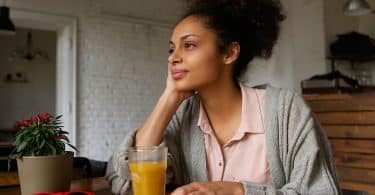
(220, 164)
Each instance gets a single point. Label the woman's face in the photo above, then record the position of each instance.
(195, 61)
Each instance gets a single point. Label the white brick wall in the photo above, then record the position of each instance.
(121, 74)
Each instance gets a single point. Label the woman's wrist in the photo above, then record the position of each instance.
(152, 130)
(172, 98)
(239, 189)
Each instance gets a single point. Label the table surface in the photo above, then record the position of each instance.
(98, 185)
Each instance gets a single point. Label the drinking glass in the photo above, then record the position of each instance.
(148, 167)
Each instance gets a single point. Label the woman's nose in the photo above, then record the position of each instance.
(174, 58)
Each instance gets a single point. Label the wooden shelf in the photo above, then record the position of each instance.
(349, 122)
(3, 158)
(355, 160)
(350, 131)
(10, 130)
(9, 178)
(370, 188)
(6, 144)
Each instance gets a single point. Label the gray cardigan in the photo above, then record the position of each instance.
(299, 155)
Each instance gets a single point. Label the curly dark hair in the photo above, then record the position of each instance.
(253, 24)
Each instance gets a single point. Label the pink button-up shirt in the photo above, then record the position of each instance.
(244, 157)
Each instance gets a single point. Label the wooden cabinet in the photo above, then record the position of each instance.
(6, 146)
(349, 122)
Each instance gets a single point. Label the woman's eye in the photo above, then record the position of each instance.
(170, 51)
(189, 45)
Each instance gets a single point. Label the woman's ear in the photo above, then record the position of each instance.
(232, 53)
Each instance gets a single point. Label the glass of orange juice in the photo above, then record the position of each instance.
(148, 167)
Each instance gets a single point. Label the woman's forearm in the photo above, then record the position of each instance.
(152, 130)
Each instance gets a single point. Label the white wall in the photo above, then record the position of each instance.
(299, 53)
(21, 100)
(337, 23)
(367, 22)
(122, 72)
(308, 36)
(122, 62)
(367, 26)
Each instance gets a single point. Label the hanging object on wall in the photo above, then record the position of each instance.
(6, 25)
(357, 8)
(16, 77)
(28, 53)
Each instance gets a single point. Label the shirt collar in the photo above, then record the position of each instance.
(203, 121)
(251, 118)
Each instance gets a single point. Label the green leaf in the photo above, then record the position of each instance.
(52, 149)
(42, 144)
(63, 132)
(9, 161)
(66, 139)
(10, 158)
(21, 133)
(72, 147)
(21, 146)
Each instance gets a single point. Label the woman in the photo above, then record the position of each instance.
(223, 136)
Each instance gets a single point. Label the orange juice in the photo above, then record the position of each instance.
(148, 177)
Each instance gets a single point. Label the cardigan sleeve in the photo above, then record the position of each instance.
(118, 174)
(304, 152)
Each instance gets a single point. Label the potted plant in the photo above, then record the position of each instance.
(43, 163)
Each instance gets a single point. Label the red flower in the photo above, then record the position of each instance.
(45, 116)
(60, 136)
(18, 125)
(33, 120)
(24, 123)
(42, 118)
(21, 124)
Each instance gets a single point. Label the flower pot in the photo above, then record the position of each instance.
(45, 173)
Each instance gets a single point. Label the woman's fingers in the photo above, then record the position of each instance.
(198, 193)
(210, 188)
(188, 189)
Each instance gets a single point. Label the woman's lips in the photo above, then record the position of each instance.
(178, 73)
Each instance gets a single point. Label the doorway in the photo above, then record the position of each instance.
(66, 60)
(28, 76)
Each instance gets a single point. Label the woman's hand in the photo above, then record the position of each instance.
(217, 188)
(171, 90)
(153, 129)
